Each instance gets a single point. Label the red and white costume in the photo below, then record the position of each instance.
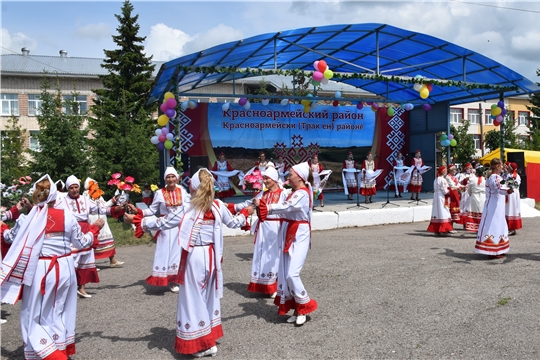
(476, 188)
(317, 169)
(415, 184)
(40, 260)
(147, 196)
(492, 238)
(455, 197)
(223, 183)
(513, 207)
(368, 180)
(281, 167)
(399, 179)
(441, 221)
(465, 199)
(350, 177)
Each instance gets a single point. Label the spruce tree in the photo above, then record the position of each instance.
(13, 164)
(121, 126)
(533, 143)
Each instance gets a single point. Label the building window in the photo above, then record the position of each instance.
(474, 116)
(34, 143)
(522, 118)
(10, 104)
(477, 142)
(487, 118)
(456, 116)
(81, 101)
(34, 104)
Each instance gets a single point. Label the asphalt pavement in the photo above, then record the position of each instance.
(384, 292)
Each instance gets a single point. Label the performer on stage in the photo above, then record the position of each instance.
(513, 204)
(455, 189)
(223, 182)
(282, 169)
(415, 186)
(316, 168)
(368, 178)
(294, 242)
(441, 221)
(350, 177)
(399, 170)
(492, 238)
(477, 192)
(260, 166)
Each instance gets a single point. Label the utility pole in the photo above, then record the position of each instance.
(501, 130)
(482, 151)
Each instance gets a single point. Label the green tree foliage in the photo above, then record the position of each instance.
(465, 150)
(14, 163)
(121, 126)
(63, 147)
(533, 143)
(492, 139)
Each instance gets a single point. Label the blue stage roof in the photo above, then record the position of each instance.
(369, 49)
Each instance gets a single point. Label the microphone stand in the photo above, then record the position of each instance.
(357, 206)
(388, 194)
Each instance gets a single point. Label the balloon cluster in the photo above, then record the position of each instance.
(308, 104)
(167, 108)
(188, 104)
(448, 140)
(322, 73)
(423, 89)
(497, 113)
(163, 139)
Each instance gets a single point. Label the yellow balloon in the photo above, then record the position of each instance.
(306, 109)
(305, 102)
(162, 120)
(424, 93)
(328, 74)
(496, 111)
(168, 95)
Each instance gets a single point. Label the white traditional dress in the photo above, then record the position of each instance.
(454, 197)
(416, 170)
(465, 200)
(400, 180)
(224, 172)
(369, 178)
(106, 247)
(441, 221)
(349, 175)
(294, 243)
(198, 320)
(282, 170)
(476, 189)
(317, 170)
(492, 238)
(167, 254)
(513, 208)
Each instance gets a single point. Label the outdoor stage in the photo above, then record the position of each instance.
(338, 212)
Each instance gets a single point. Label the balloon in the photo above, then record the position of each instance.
(316, 65)
(424, 93)
(171, 103)
(453, 142)
(169, 136)
(168, 144)
(184, 105)
(313, 105)
(503, 112)
(192, 104)
(444, 137)
(306, 109)
(429, 87)
(418, 87)
(359, 106)
(325, 81)
(160, 146)
(163, 120)
(154, 140)
(369, 103)
(265, 102)
(318, 76)
(247, 105)
(390, 111)
(328, 74)
(501, 104)
(168, 95)
(496, 123)
(446, 142)
(450, 137)
(164, 131)
(162, 138)
(426, 107)
(315, 83)
(242, 101)
(335, 103)
(163, 107)
(158, 132)
(305, 102)
(225, 107)
(493, 106)
(496, 111)
(322, 66)
(375, 106)
(409, 106)
(441, 142)
(171, 113)
(285, 102)
(338, 94)
(419, 77)
(499, 118)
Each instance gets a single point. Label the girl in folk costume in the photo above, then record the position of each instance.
(349, 177)
(415, 185)
(39, 262)
(399, 169)
(465, 200)
(513, 204)
(106, 248)
(441, 221)
(172, 198)
(316, 168)
(198, 320)
(262, 163)
(492, 238)
(147, 195)
(455, 188)
(477, 192)
(369, 176)
(294, 242)
(223, 182)
(265, 265)
(282, 169)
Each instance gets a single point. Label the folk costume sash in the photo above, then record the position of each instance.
(292, 225)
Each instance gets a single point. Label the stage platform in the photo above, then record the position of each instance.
(338, 212)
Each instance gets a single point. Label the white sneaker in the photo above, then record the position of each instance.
(210, 352)
(3, 321)
(301, 319)
(273, 296)
(291, 319)
(174, 288)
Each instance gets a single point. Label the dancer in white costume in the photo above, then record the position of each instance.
(172, 198)
(513, 204)
(198, 320)
(441, 221)
(349, 175)
(477, 192)
(223, 171)
(40, 261)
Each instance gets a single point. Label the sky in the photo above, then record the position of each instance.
(505, 31)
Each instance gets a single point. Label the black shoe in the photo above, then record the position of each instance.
(395, 196)
(400, 195)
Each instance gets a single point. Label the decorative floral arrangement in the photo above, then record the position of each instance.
(19, 188)
(509, 181)
(255, 180)
(154, 187)
(93, 190)
(127, 184)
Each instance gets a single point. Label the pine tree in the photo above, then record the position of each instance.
(62, 142)
(14, 164)
(121, 126)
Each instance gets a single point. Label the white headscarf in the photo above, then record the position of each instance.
(302, 170)
(87, 183)
(271, 172)
(170, 170)
(195, 181)
(72, 179)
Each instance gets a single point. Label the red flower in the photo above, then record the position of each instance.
(116, 176)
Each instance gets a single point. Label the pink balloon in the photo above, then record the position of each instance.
(162, 138)
(499, 118)
(171, 103)
(318, 76)
(163, 107)
(316, 65)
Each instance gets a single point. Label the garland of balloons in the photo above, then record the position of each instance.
(163, 138)
(448, 140)
(498, 112)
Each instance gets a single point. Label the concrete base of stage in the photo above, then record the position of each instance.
(338, 212)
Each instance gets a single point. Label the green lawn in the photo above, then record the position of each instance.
(124, 235)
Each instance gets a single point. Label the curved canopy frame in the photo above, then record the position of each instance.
(376, 50)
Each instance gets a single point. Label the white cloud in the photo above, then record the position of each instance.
(165, 43)
(527, 45)
(94, 32)
(13, 43)
(217, 35)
